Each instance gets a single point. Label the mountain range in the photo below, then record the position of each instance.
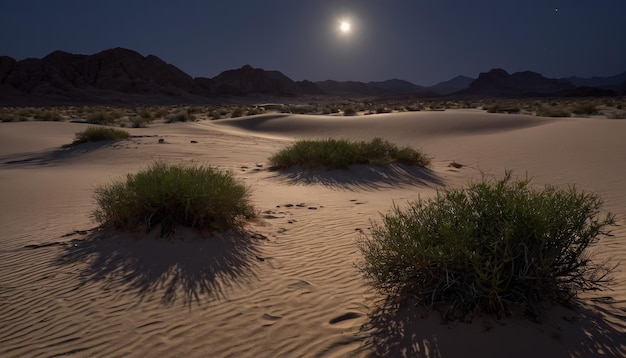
(123, 76)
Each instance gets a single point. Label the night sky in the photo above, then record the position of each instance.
(422, 41)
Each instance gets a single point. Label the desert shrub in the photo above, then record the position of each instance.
(139, 121)
(47, 116)
(349, 111)
(7, 117)
(340, 153)
(254, 111)
(200, 197)
(496, 108)
(103, 118)
(552, 112)
(144, 113)
(237, 112)
(95, 134)
(489, 246)
(160, 113)
(194, 109)
(616, 115)
(382, 109)
(180, 116)
(585, 109)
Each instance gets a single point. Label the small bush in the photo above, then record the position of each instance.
(180, 116)
(48, 116)
(616, 115)
(139, 121)
(489, 246)
(200, 197)
(7, 117)
(585, 109)
(103, 118)
(552, 112)
(349, 111)
(237, 112)
(160, 113)
(95, 134)
(339, 153)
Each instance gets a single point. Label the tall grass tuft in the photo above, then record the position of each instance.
(95, 134)
(488, 247)
(200, 197)
(340, 153)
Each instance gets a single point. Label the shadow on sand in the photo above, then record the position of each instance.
(592, 329)
(362, 177)
(53, 156)
(188, 269)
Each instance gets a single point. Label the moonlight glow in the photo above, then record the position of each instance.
(344, 27)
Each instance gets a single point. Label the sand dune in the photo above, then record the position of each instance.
(287, 285)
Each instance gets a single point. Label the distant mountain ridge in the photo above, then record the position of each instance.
(124, 76)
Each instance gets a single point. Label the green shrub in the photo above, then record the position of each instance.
(382, 109)
(487, 247)
(180, 116)
(552, 112)
(585, 108)
(7, 117)
(47, 116)
(95, 134)
(139, 121)
(349, 111)
(339, 153)
(160, 113)
(237, 112)
(103, 118)
(616, 115)
(200, 197)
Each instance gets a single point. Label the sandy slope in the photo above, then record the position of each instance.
(287, 287)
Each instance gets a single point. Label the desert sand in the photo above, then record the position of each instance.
(289, 287)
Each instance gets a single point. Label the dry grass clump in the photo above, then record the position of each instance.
(340, 153)
(96, 134)
(489, 246)
(545, 111)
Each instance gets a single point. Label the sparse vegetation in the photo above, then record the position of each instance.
(95, 134)
(7, 117)
(488, 247)
(340, 153)
(237, 112)
(349, 111)
(196, 196)
(49, 115)
(181, 116)
(585, 108)
(544, 111)
(104, 117)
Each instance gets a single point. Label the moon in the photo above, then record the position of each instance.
(344, 27)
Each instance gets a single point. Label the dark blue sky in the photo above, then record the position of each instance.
(422, 41)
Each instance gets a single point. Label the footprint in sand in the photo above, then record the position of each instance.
(301, 285)
(269, 214)
(342, 320)
(270, 319)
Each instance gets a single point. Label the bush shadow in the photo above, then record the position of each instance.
(362, 177)
(54, 156)
(590, 329)
(188, 269)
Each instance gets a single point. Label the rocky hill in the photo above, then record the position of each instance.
(123, 76)
(499, 83)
